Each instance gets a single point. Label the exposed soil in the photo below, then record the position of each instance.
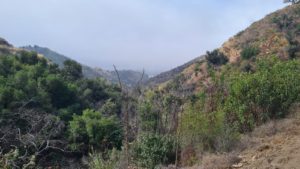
(280, 150)
(275, 145)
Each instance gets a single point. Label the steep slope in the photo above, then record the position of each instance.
(129, 77)
(280, 149)
(276, 34)
(207, 88)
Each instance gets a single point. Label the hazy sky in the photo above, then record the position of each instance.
(133, 34)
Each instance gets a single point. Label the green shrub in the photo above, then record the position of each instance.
(268, 93)
(249, 52)
(216, 58)
(94, 129)
(151, 150)
(206, 131)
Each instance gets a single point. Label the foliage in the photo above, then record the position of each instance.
(97, 130)
(216, 58)
(148, 117)
(151, 150)
(238, 101)
(36, 95)
(206, 131)
(72, 70)
(29, 78)
(249, 52)
(267, 93)
(158, 112)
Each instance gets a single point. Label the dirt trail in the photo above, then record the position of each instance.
(275, 146)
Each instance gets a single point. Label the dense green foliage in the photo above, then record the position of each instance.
(95, 129)
(268, 93)
(39, 100)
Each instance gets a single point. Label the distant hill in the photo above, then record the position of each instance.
(171, 74)
(128, 77)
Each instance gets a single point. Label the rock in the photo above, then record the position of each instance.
(239, 165)
(264, 147)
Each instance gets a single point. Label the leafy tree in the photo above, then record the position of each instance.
(30, 58)
(61, 93)
(72, 70)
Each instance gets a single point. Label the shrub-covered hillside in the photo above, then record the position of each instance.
(276, 34)
(253, 78)
(51, 116)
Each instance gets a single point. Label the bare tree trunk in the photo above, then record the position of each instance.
(124, 95)
(178, 136)
(125, 100)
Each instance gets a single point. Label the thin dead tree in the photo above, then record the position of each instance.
(125, 101)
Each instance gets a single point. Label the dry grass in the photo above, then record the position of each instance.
(219, 161)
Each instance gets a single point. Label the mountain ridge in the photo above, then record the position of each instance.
(129, 77)
(275, 34)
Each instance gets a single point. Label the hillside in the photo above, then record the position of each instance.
(232, 92)
(234, 107)
(276, 34)
(38, 101)
(129, 77)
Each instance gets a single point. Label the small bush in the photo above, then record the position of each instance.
(249, 52)
(151, 150)
(216, 58)
(94, 129)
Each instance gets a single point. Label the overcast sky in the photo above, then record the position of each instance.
(133, 34)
